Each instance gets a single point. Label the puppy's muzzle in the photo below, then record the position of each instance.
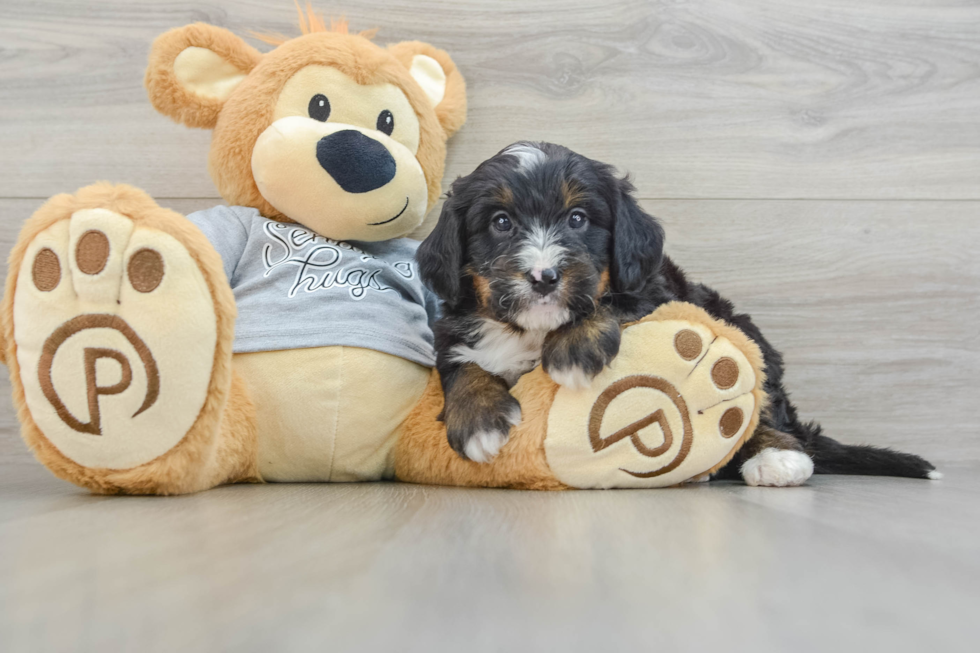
(358, 163)
(544, 281)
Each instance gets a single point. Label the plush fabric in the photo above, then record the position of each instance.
(204, 76)
(296, 290)
(284, 160)
(423, 454)
(172, 98)
(157, 345)
(656, 416)
(205, 73)
(550, 449)
(329, 413)
(180, 469)
(243, 119)
(117, 322)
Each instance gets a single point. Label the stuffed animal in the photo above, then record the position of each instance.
(286, 336)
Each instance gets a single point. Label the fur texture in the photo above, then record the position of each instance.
(236, 97)
(214, 450)
(247, 112)
(607, 268)
(424, 454)
(169, 96)
(205, 76)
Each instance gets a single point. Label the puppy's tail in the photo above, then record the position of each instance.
(831, 457)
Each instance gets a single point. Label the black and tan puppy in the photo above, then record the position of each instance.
(539, 256)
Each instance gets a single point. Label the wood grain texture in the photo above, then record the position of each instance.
(874, 304)
(844, 564)
(699, 99)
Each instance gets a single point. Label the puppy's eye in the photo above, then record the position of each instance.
(577, 220)
(501, 222)
(319, 108)
(386, 122)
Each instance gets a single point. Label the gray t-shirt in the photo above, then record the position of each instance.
(295, 289)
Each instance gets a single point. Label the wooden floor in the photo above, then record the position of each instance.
(818, 161)
(844, 564)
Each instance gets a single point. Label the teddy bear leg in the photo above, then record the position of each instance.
(117, 329)
(680, 399)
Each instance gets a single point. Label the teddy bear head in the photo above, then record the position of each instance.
(328, 130)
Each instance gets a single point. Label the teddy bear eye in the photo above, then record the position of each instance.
(319, 108)
(386, 122)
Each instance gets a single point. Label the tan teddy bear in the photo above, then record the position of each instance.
(286, 337)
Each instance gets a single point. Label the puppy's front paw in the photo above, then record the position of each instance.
(478, 430)
(777, 468)
(483, 446)
(574, 377)
(573, 356)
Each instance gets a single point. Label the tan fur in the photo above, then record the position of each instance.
(168, 96)
(451, 112)
(766, 437)
(423, 454)
(692, 313)
(221, 445)
(603, 284)
(239, 121)
(310, 23)
(187, 467)
(482, 286)
(505, 195)
(571, 196)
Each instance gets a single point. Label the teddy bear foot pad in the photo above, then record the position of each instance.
(677, 401)
(115, 332)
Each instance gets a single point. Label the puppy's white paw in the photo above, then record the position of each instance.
(484, 446)
(573, 378)
(935, 475)
(777, 468)
(703, 478)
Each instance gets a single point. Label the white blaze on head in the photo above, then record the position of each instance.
(527, 155)
(540, 251)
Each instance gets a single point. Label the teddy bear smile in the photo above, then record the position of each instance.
(398, 215)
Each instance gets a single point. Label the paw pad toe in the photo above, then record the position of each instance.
(46, 271)
(688, 344)
(145, 270)
(92, 252)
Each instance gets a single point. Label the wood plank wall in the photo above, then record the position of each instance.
(816, 160)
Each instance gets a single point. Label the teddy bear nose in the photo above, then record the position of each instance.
(358, 163)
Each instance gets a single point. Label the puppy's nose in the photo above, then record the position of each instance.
(544, 281)
(358, 163)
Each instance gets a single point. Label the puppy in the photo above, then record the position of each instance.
(539, 256)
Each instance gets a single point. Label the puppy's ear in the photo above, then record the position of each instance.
(442, 254)
(194, 69)
(637, 242)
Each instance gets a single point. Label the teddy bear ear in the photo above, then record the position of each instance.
(194, 69)
(436, 73)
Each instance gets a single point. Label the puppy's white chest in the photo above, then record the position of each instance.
(502, 351)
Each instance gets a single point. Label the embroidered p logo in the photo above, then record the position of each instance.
(674, 404)
(634, 429)
(91, 357)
